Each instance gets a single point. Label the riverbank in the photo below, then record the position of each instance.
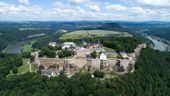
(7, 48)
(15, 48)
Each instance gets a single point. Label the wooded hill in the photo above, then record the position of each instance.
(151, 78)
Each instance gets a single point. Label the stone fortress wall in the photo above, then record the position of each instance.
(91, 64)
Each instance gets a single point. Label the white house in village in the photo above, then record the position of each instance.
(53, 44)
(103, 56)
(68, 45)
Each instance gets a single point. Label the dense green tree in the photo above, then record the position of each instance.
(151, 78)
(45, 51)
(9, 62)
(26, 54)
(93, 54)
(56, 48)
(14, 69)
(127, 44)
(99, 74)
(65, 53)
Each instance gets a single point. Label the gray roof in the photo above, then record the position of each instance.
(47, 72)
(98, 49)
(123, 53)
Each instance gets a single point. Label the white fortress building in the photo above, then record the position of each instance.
(53, 44)
(103, 56)
(68, 45)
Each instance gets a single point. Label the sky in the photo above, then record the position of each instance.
(78, 10)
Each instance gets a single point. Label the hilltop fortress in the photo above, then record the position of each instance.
(53, 66)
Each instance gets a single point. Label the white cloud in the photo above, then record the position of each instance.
(87, 10)
(78, 1)
(117, 15)
(94, 7)
(149, 3)
(65, 10)
(116, 7)
(25, 2)
(155, 2)
(138, 10)
(9, 9)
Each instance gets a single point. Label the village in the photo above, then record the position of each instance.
(82, 59)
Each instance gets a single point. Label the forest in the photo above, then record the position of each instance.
(10, 31)
(8, 37)
(9, 62)
(151, 78)
(160, 29)
(13, 32)
(160, 32)
(127, 44)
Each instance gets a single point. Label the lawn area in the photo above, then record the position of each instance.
(95, 33)
(27, 47)
(109, 49)
(24, 68)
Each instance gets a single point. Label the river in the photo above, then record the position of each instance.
(15, 48)
(158, 44)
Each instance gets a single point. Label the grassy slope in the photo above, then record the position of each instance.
(24, 68)
(109, 49)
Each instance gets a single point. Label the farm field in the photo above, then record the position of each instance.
(29, 29)
(93, 33)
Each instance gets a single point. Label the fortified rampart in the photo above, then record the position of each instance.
(74, 64)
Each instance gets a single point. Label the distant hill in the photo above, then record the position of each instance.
(111, 26)
(156, 28)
